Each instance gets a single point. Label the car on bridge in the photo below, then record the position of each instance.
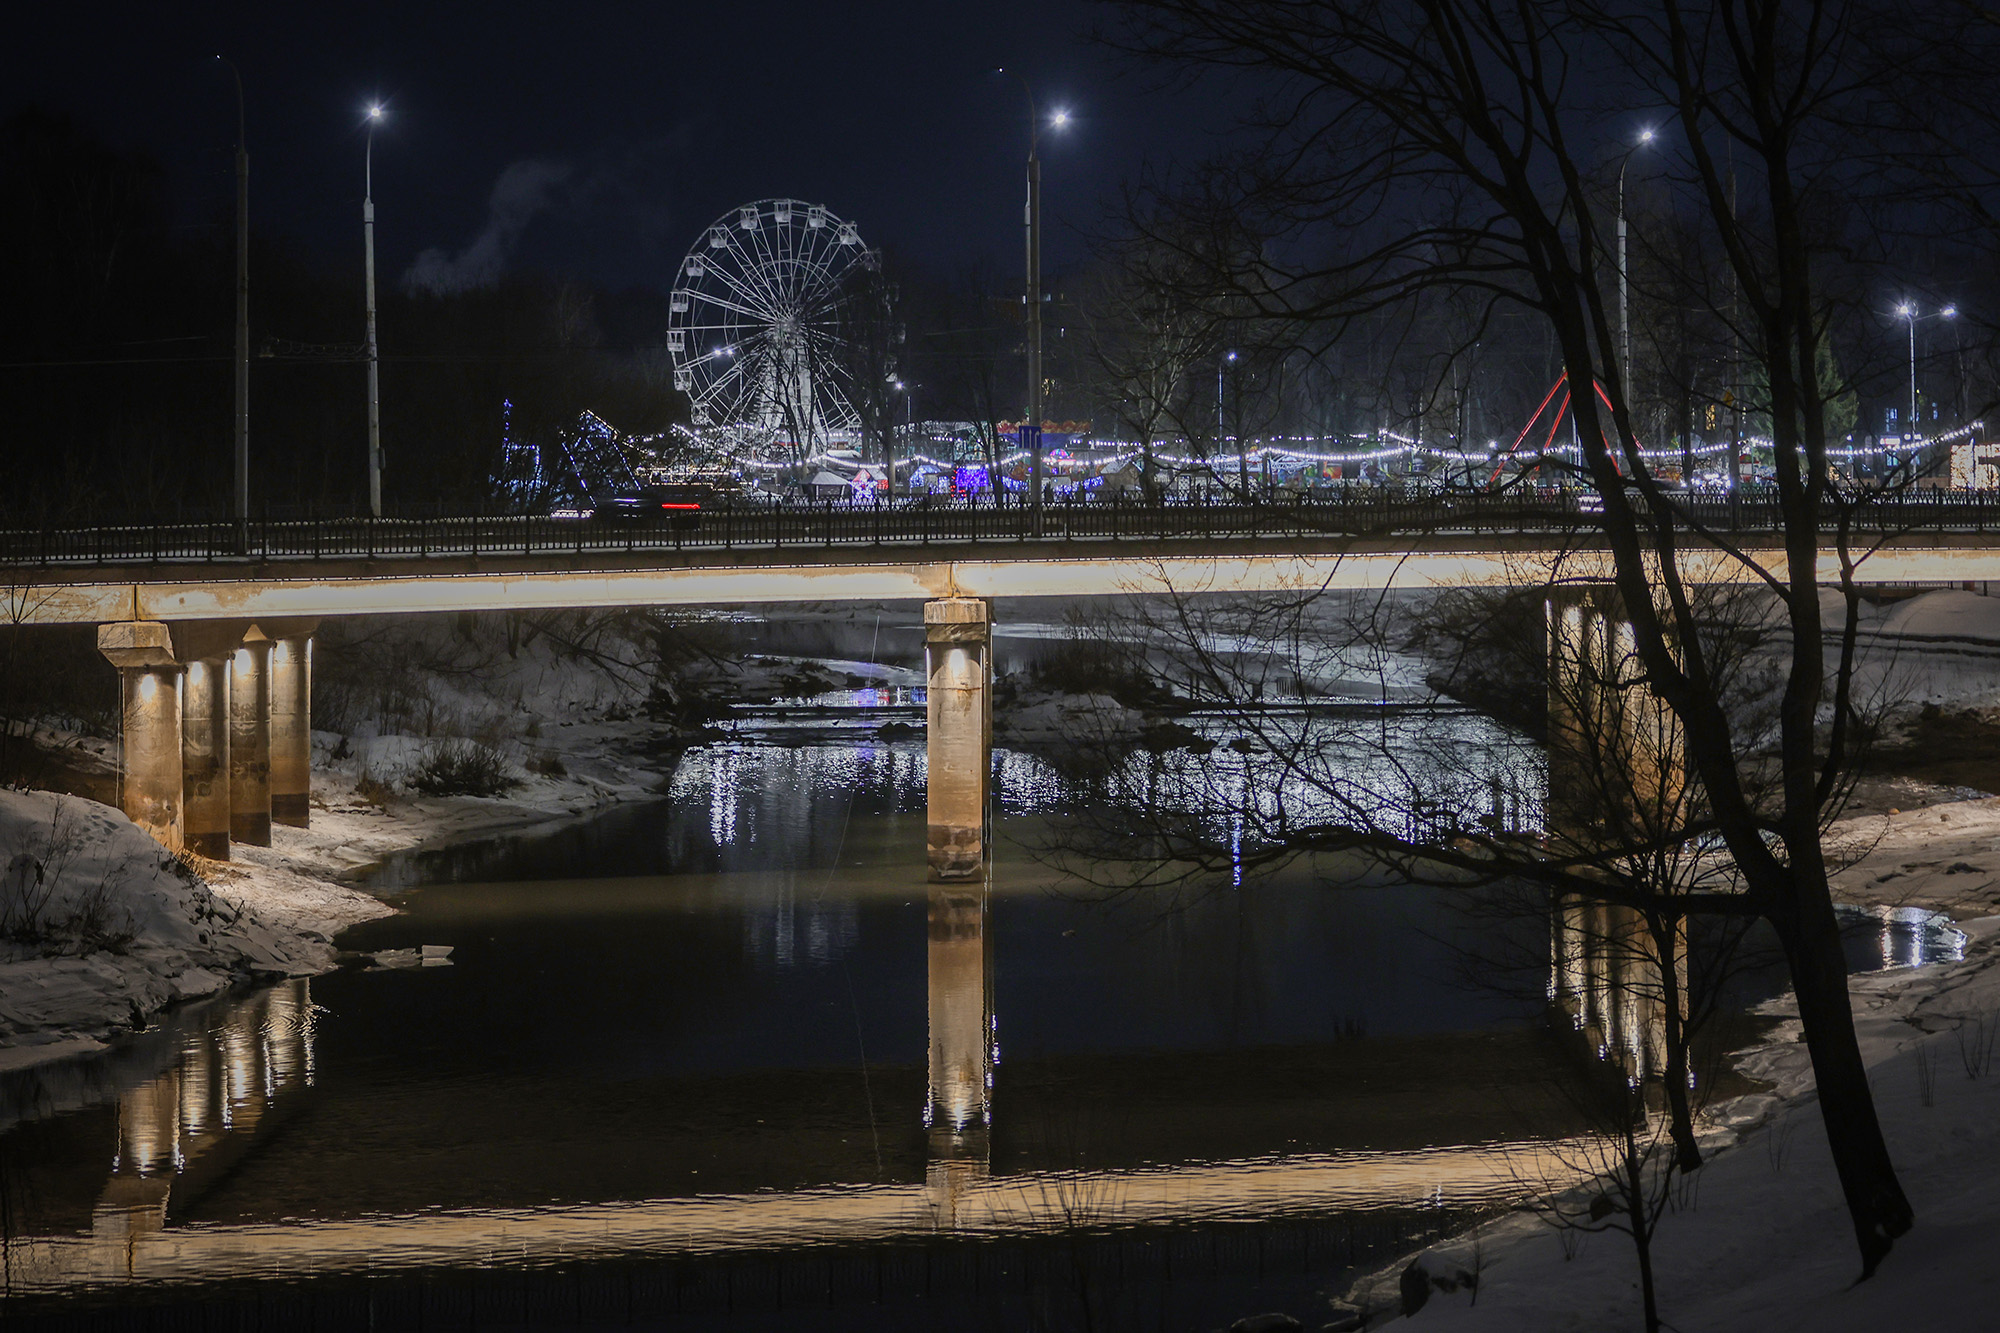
(677, 505)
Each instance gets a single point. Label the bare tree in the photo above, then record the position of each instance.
(1448, 145)
(1149, 348)
(870, 340)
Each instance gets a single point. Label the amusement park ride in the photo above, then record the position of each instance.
(758, 326)
(761, 331)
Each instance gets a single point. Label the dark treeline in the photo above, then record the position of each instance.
(117, 354)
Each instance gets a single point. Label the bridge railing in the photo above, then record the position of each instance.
(900, 527)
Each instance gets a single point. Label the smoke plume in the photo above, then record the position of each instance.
(524, 190)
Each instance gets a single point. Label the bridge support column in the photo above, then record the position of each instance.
(250, 740)
(149, 731)
(206, 647)
(1618, 785)
(205, 756)
(959, 741)
(291, 721)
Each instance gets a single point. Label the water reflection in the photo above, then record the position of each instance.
(755, 1028)
(225, 1075)
(1907, 936)
(1607, 977)
(964, 1046)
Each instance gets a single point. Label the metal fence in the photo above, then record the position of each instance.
(900, 528)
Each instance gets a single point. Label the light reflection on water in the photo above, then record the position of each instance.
(1906, 936)
(718, 1042)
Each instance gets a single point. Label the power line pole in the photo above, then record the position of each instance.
(242, 505)
(374, 353)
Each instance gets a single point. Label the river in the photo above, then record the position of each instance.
(725, 1059)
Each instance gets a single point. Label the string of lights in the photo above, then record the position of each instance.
(1122, 453)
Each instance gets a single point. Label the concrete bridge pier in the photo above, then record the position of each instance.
(149, 729)
(1617, 785)
(291, 720)
(959, 737)
(216, 729)
(205, 647)
(250, 740)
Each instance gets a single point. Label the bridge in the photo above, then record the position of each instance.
(210, 623)
(308, 566)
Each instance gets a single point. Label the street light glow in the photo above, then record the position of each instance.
(1646, 136)
(1059, 119)
(374, 111)
(1949, 312)
(1906, 310)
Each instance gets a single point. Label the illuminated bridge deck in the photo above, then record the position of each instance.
(308, 567)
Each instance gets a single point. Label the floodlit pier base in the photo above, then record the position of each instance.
(250, 740)
(959, 742)
(149, 734)
(206, 647)
(291, 721)
(205, 757)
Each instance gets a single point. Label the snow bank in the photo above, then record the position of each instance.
(1946, 614)
(1761, 1241)
(1051, 719)
(103, 928)
(1942, 648)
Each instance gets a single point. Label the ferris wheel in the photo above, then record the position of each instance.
(757, 326)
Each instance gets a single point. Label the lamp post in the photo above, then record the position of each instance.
(1031, 430)
(241, 507)
(374, 353)
(1222, 428)
(1624, 283)
(1908, 310)
(889, 440)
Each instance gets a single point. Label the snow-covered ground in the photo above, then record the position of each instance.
(104, 927)
(1762, 1242)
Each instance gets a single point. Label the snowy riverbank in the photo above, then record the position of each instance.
(1760, 1242)
(122, 930)
(100, 928)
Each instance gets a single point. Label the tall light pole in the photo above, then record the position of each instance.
(1908, 311)
(1624, 282)
(1031, 430)
(1222, 428)
(241, 509)
(374, 353)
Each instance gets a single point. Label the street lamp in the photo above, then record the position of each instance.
(1222, 429)
(1624, 284)
(374, 354)
(889, 440)
(1908, 310)
(1031, 430)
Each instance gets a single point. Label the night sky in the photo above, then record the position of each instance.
(597, 139)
